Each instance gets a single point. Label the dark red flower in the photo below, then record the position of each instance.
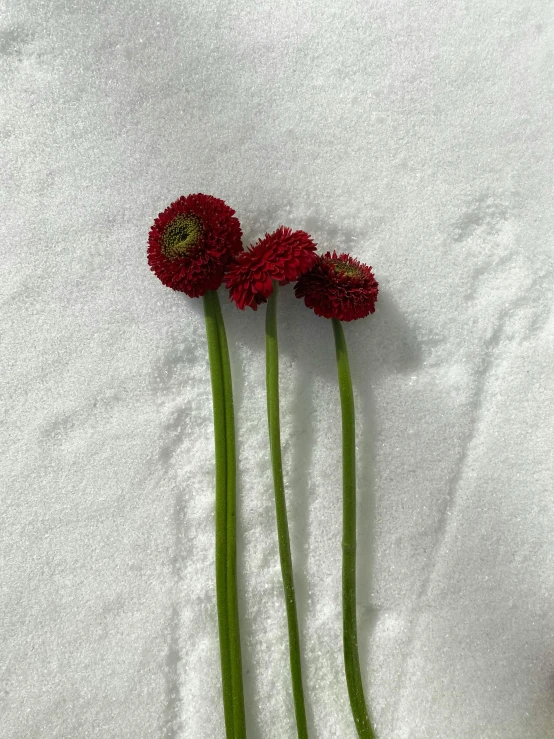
(282, 256)
(338, 287)
(191, 243)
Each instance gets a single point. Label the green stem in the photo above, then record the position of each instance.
(350, 634)
(272, 385)
(212, 335)
(239, 720)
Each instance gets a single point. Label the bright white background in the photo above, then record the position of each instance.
(419, 136)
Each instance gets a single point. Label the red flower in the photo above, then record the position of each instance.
(338, 287)
(282, 256)
(191, 243)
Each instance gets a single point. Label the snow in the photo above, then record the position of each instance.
(417, 135)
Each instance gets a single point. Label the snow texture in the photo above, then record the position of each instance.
(416, 134)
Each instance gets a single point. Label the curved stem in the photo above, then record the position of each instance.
(239, 720)
(272, 386)
(212, 335)
(350, 632)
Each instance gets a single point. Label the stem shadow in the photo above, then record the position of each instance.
(299, 494)
(381, 344)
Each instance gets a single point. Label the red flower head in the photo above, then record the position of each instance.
(191, 243)
(282, 256)
(338, 287)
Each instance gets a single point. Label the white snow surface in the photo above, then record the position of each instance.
(416, 134)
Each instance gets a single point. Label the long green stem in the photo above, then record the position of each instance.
(350, 632)
(212, 335)
(239, 720)
(272, 386)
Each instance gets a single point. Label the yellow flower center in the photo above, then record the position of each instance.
(343, 268)
(181, 235)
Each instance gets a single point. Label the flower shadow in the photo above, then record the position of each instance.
(379, 345)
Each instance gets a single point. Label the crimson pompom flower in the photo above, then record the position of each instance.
(339, 287)
(282, 256)
(191, 243)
